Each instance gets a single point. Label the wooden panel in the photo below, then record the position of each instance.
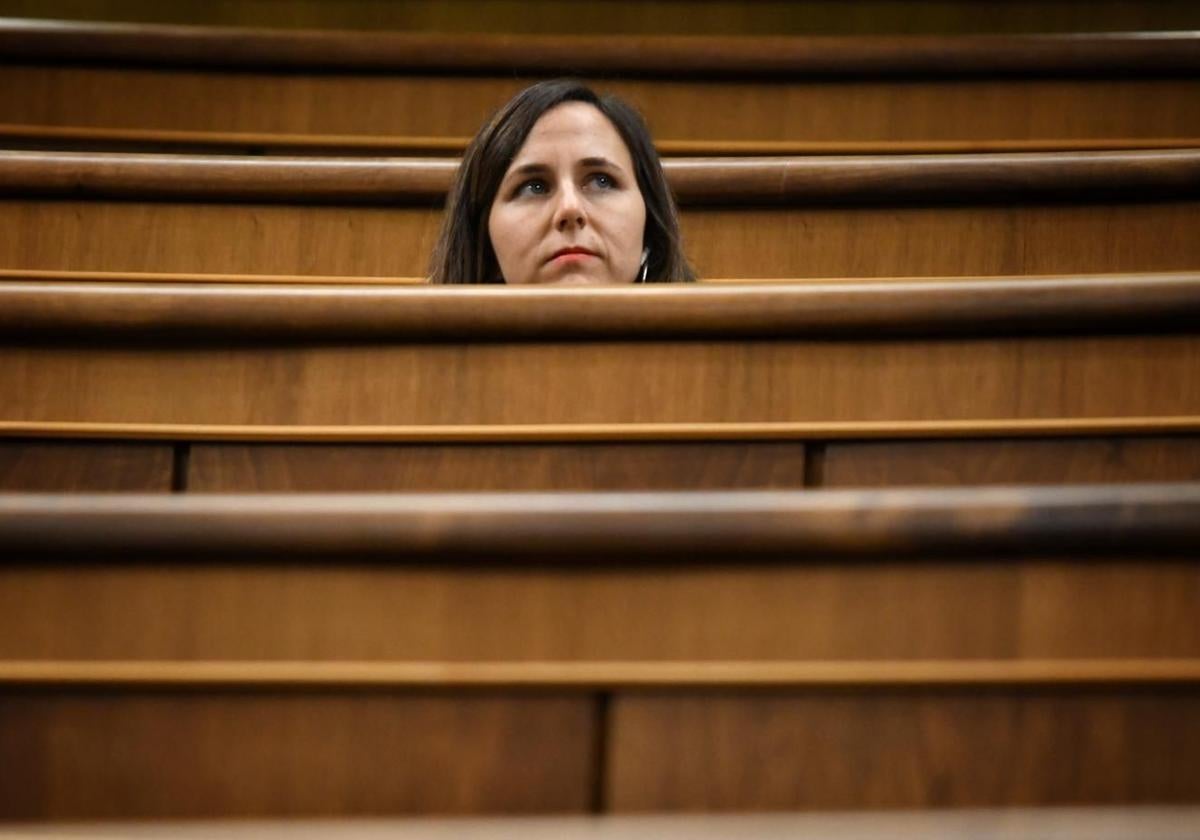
(228, 754)
(596, 466)
(87, 467)
(730, 243)
(677, 110)
(750, 611)
(200, 238)
(725, 17)
(726, 752)
(1054, 461)
(597, 382)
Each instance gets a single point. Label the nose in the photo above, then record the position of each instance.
(569, 212)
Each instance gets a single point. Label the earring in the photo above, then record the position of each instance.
(641, 278)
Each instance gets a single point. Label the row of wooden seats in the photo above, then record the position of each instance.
(189, 654)
(332, 656)
(387, 93)
(226, 387)
(223, 655)
(881, 216)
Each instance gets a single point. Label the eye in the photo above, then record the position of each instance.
(534, 186)
(603, 180)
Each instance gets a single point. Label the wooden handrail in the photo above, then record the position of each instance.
(190, 141)
(1082, 520)
(697, 56)
(597, 675)
(880, 179)
(746, 432)
(175, 312)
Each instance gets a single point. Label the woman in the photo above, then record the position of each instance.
(562, 186)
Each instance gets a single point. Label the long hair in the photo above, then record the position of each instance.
(464, 254)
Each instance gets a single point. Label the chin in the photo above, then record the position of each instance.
(580, 279)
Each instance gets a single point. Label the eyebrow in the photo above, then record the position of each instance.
(538, 168)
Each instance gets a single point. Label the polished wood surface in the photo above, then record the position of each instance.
(731, 752)
(230, 48)
(88, 467)
(985, 609)
(544, 602)
(710, 465)
(878, 381)
(696, 182)
(734, 243)
(820, 110)
(1074, 823)
(617, 526)
(718, 17)
(9, 274)
(209, 654)
(582, 676)
(1145, 302)
(544, 433)
(74, 138)
(1053, 461)
(93, 754)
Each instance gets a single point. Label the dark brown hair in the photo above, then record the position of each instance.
(464, 254)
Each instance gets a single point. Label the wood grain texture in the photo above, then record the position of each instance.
(214, 754)
(730, 752)
(696, 182)
(892, 463)
(984, 609)
(230, 48)
(1078, 377)
(455, 106)
(515, 466)
(713, 465)
(77, 138)
(41, 466)
(48, 311)
(736, 243)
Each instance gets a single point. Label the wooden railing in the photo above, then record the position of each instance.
(241, 87)
(578, 639)
(743, 219)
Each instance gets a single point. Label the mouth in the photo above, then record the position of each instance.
(571, 255)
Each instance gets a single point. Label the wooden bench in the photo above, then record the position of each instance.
(951, 215)
(205, 655)
(228, 387)
(163, 87)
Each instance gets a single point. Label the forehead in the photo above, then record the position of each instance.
(573, 130)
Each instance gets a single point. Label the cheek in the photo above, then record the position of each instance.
(633, 227)
(504, 232)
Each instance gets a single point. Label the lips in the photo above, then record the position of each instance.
(572, 252)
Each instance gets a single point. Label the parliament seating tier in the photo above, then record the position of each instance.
(311, 655)
(262, 90)
(757, 218)
(914, 528)
(1083, 354)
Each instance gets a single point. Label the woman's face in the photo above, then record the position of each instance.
(569, 209)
